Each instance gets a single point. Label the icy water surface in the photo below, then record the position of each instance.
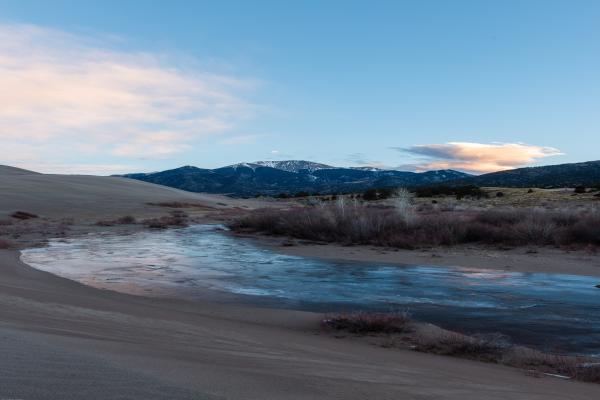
(549, 311)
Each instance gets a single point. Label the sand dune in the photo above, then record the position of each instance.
(88, 196)
(63, 340)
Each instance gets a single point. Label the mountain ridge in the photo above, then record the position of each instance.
(293, 176)
(290, 177)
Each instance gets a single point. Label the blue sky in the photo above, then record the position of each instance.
(119, 86)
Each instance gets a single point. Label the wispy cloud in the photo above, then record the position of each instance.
(476, 157)
(57, 87)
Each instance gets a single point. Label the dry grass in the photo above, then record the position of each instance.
(492, 348)
(174, 219)
(365, 323)
(22, 215)
(180, 204)
(126, 220)
(488, 348)
(409, 227)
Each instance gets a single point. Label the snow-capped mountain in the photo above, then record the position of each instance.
(293, 165)
(290, 176)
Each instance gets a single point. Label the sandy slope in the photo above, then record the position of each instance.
(62, 340)
(66, 333)
(84, 196)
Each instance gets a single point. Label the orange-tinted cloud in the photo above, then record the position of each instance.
(477, 157)
(58, 88)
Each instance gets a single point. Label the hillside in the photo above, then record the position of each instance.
(562, 175)
(292, 176)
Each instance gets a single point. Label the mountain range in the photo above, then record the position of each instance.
(290, 177)
(293, 176)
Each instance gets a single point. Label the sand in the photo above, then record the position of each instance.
(526, 259)
(63, 340)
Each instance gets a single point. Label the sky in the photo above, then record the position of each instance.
(109, 87)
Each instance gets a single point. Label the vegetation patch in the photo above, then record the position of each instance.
(6, 244)
(397, 328)
(404, 226)
(22, 215)
(365, 323)
(125, 220)
(174, 219)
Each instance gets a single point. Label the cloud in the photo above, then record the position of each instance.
(476, 157)
(57, 87)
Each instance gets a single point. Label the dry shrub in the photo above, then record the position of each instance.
(488, 347)
(125, 220)
(493, 348)
(580, 368)
(6, 244)
(366, 323)
(402, 227)
(176, 219)
(181, 204)
(22, 215)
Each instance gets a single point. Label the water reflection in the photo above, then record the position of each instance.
(546, 310)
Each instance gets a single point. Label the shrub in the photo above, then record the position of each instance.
(5, 244)
(366, 323)
(401, 227)
(370, 195)
(378, 194)
(579, 189)
(176, 218)
(493, 348)
(23, 215)
(458, 191)
(126, 220)
(478, 347)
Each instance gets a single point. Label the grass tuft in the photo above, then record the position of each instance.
(365, 323)
(22, 215)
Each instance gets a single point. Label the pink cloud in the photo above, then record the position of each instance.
(57, 87)
(478, 157)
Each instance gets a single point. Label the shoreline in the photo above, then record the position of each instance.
(525, 259)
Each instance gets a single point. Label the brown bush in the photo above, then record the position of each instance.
(23, 215)
(176, 218)
(126, 220)
(6, 244)
(494, 348)
(361, 224)
(365, 323)
(479, 347)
